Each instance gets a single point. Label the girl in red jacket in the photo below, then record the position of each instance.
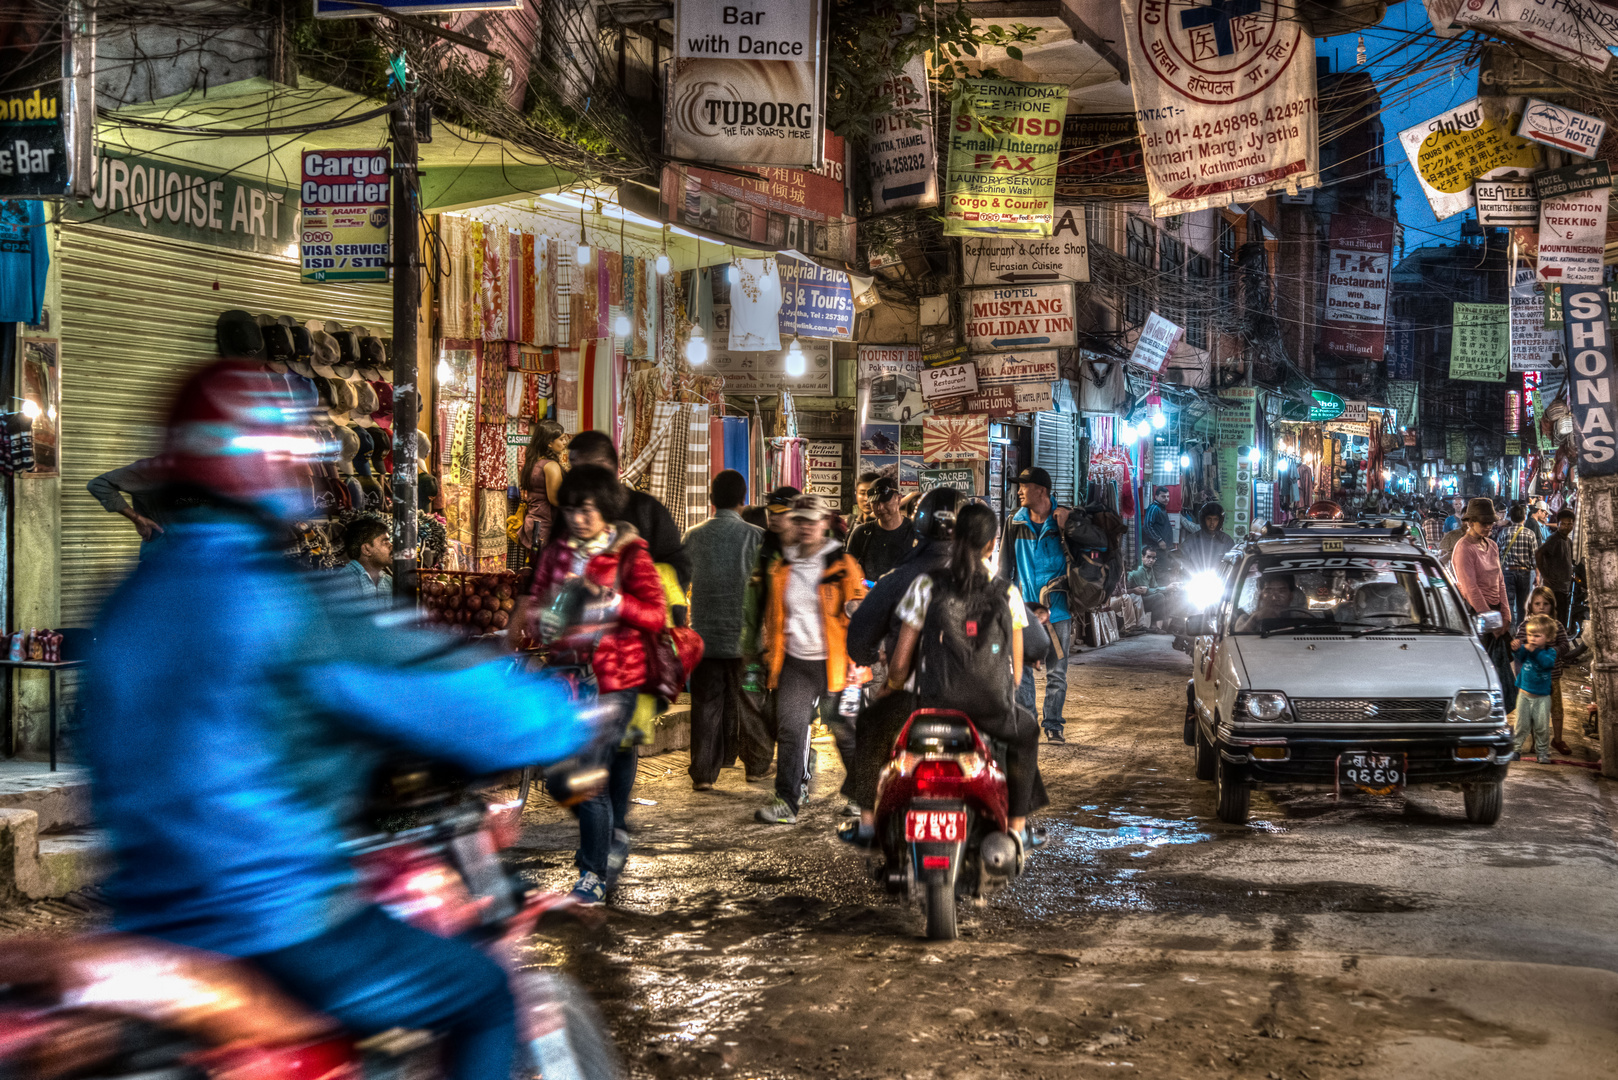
(600, 560)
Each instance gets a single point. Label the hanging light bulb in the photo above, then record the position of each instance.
(1159, 421)
(696, 347)
(1281, 465)
(1126, 432)
(581, 254)
(663, 264)
(1185, 461)
(446, 374)
(620, 325)
(796, 364)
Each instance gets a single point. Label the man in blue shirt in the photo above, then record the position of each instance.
(1453, 522)
(1157, 530)
(1033, 556)
(370, 566)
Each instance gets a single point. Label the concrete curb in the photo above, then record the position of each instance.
(33, 868)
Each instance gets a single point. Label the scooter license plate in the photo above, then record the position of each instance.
(935, 826)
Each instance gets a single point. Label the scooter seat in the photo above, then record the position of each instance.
(939, 737)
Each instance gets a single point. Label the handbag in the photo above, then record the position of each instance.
(673, 653)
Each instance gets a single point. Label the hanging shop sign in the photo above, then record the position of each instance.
(1472, 141)
(955, 438)
(36, 104)
(1580, 31)
(336, 9)
(901, 154)
(1562, 127)
(1101, 156)
(1573, 237)
(1572, 179)
(823, 470)
(1009, 260)
(1004, 141)
(962, 480)
(1035, 397)
(1399, 354)
(1506, 202)
(1157, 339)
(889, 378)
(1019, 317)
(779, 208)
(343, 229)
(1009, 369)
(1356, 412)
(1455, 446)
(180, 201)
(1360, 260)
(1401, 395)
(746, 82)
(1323, 405)
(1480, 344)
(765, 372)
(815, 302)
(1531, 343)
(1225, 96)
(947, 382)
(992, 400)
(1590, 367)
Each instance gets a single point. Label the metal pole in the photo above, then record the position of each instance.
(406, 301)
(1600, 522)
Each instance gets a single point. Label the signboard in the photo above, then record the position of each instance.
(1480, 344)
(1506, 202)
(1004, 140)
(962, 480)
(1531, 344)
(815, 302)
(746, 83)
(1323, 405)
(1562, 127)
(1589, 349)
(1402, 395)
(951, 381)
(1455, 446)
(1101, 156)
(1019, 317)
(803, 209)
(823, 471)
(34, 103)
(765, 372)
(345, 197)
(336, 9)
(1573, 237)
(1356, 412)
(993, 400)
(822, 455)
(902, 156)
(1034, 397)
(955, 438)
(1157, 339)
(1009, 260)
(1225, 96)
(1360, 260)
(889, 377)
(184, 202)
(1009, 369)
(1573, 179)
(1467, 143)
(1573, 30)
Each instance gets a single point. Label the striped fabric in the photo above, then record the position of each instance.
(697, 465)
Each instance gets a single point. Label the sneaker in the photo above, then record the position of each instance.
(779, 812)
(590, 889)
(853, 832)
(1543, 760)
(701, 787)
(1055, 735)
(617, 855)
(851, 809)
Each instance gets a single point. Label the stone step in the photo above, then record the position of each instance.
(61, 798)
(69, 861)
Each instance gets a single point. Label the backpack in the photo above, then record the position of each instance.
(965, 651)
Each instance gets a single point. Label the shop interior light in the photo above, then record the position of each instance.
(1126, 433)
(663, 264)
(1159, 421)
(1281, 465)
(30, 408)
(620, 325)
(581, 254)
(1185, 461)
(696, 347)
(796, 364)
(446, 374)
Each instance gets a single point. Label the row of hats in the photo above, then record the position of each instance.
(354, 402)
(316, 347)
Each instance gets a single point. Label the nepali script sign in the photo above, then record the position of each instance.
(1225, 97)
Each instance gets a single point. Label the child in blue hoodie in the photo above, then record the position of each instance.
(1534, 684)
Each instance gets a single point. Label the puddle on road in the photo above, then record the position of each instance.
(1131, 830)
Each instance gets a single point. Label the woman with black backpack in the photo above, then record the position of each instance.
(962, 637)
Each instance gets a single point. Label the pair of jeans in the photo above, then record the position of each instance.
(799, 686)
(1055, 679)
(1534, 718)
(1519, 583)
(716, 715)
(608, 810)
(373, 973)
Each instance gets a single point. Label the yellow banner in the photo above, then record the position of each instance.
(1004, 141)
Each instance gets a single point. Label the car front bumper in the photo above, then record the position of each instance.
(1310, 755)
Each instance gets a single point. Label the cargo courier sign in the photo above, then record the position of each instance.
(1361, 257)
(1024, 317)
(1589, 349)
(344, 230)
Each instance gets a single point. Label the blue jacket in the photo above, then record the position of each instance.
(236, 708)
(1031, 556)
(1535, 676)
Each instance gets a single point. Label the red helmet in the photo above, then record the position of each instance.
(1325, 510)
(241, 432)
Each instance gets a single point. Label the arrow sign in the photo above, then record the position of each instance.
(1013, 279)
(1018, 342)
(1063, 256)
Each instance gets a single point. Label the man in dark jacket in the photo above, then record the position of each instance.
(1157, 530)
(140, 481)
(1554, 560)
(1204, 549)
(650, 517)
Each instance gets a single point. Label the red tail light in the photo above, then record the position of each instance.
(940, 773)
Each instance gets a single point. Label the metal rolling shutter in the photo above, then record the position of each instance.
(1056, 451)
(137, 316)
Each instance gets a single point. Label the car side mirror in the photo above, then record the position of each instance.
(1190, 626)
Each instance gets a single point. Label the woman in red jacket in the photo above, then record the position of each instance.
(601, 564)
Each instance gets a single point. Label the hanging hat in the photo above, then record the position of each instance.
(326, 355)
(350, 447)
(348, 347)
(364, 396)
(372, 355)
(238, 336)
(302, 344)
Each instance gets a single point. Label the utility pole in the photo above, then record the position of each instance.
(406, 304)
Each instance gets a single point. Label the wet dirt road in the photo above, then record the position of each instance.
(1367, 939)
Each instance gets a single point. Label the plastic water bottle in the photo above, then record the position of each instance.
(848, 706)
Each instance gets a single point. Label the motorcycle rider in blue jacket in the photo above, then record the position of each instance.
(235, 709)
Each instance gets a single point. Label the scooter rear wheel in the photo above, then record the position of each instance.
(941, 912)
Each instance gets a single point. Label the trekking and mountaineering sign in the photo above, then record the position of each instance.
(1225, 97)
(1589, 351)
(1470, 142)
(1573, 236)
(1004, 139)
(345, 196)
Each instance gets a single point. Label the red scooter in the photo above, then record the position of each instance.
(941, 817)
(115, 1006)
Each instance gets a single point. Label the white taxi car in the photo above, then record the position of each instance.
(1340, 654)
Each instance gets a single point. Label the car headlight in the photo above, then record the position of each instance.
(1204, 588)
(1266, 705)
(1471, 705)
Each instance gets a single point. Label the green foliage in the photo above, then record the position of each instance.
(342, 52)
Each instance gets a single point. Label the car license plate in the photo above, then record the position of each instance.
(1373, 774)
(935, 826)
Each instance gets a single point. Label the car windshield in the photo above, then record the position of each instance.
(1346, 594)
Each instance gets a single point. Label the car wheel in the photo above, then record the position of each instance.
(1484, 802)
(1207, 756)
(1234, 794)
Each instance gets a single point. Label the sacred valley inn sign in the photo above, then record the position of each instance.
(1225, 96)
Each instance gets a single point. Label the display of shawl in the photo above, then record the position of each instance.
(737, 444)
(521, 326)
(668, 324)
(583, 302)
(755, 305)
(459, 289)
(598, 387)
(491, 451)
(475, 251)
(785, 458)
(559, 261)
(639, 467)
(541, 277)
(462, 444)
(492, 383)
(1112, 463)
(647, 287)
(491, 531)
(496, 282)
(642, 390)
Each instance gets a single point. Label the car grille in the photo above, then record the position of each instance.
(1370, 710)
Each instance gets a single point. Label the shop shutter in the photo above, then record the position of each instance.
(137, 316)
(1055, 450)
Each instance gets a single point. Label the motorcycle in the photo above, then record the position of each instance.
(118, 1006)
(941, 817)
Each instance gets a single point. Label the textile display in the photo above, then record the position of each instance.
(514, 395)
(716, 445)
(755, 305)
(1112, 463)
(669, 464)
(463, 445)
(584, 299)
(673, 309)
(646, 309)
(567, 390)
(455, 302)
(491, 542)
(784, 461)
(460, 510)
(639, 467)
(491, 384)
(598, 387)
(491, 456)
(475, 257)
(698, 469)
(642, 389)
(737, 445)
(495, 282)
(559, 264)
